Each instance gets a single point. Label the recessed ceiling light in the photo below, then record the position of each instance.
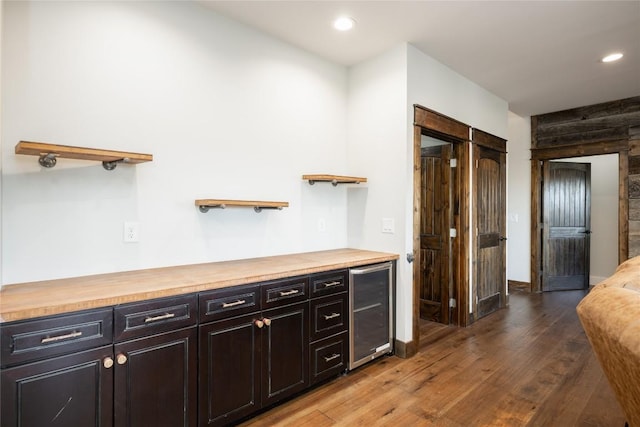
(613, 57)
(344, 23)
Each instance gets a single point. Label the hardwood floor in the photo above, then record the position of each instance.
(527, 365)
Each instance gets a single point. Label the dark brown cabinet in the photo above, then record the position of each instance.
(66, 370)
(58, 371)
(285, 360)
(329, 325)
(71, 390)
(155, 371)
(230, 365)
(208, 358)
(250, 361)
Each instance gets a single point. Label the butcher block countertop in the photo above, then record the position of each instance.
(34, 299)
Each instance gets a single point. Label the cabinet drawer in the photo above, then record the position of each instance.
(332, 282)
(229, 302)
(285, 292)
(154, 316)
(329, 357)
(329, 316)
(45, 337)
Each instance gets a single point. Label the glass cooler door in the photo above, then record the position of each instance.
(371, 314)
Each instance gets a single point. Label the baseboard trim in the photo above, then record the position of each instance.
(519, 286)
(405, 350)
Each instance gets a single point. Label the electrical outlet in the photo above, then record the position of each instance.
(131, 232)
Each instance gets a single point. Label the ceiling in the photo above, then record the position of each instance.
(540, 56)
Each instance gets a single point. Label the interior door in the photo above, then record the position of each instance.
(490, 221)
(566, 225)
(434, 233)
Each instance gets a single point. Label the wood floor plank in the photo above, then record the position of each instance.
(527, 365)
(598, 410)
(568, 401)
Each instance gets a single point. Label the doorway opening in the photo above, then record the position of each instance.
(440, 236)
(436, 223)
(579, 217)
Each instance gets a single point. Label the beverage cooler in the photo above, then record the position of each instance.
(371, 313)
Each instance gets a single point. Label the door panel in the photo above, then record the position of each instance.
(490, 221)
(229, 370)
(434, 233)
(156, 385)
(285, 356)
(72, 390)
(566, 223)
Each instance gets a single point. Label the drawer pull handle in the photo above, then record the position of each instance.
(259, 323)
(161, 317)
(334, 283)
(291, 292)
(331, 316)
(233, 304)
(121, 359)
(73, 334)
(267, 321)
(332, 357)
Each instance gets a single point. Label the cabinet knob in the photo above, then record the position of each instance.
(121, 359)
(267, 322)
(107, 362)
(259, 323)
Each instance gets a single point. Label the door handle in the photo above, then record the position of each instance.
(502, 238)
(586, 232)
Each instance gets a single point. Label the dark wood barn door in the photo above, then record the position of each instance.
(490, 221)
(566, 225)
(434, 233)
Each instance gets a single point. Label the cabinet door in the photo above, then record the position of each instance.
(229, 370)
(71, 391)
(156, 380)
(285, 360)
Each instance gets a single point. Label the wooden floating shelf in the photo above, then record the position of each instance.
(334, 179)
(205, 204)
(50, 152)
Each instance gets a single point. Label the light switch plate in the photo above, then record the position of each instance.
(388, 225)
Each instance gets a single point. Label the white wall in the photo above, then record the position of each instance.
(381, 133)
(226, 111)
(377, 149)
(438, 87)
(519, 198)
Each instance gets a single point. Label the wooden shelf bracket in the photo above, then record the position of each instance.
(204, 205)
(48, 154)
(334, 179)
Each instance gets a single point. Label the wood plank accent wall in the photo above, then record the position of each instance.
(633, 190)
(604, 122)
(606, 128)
